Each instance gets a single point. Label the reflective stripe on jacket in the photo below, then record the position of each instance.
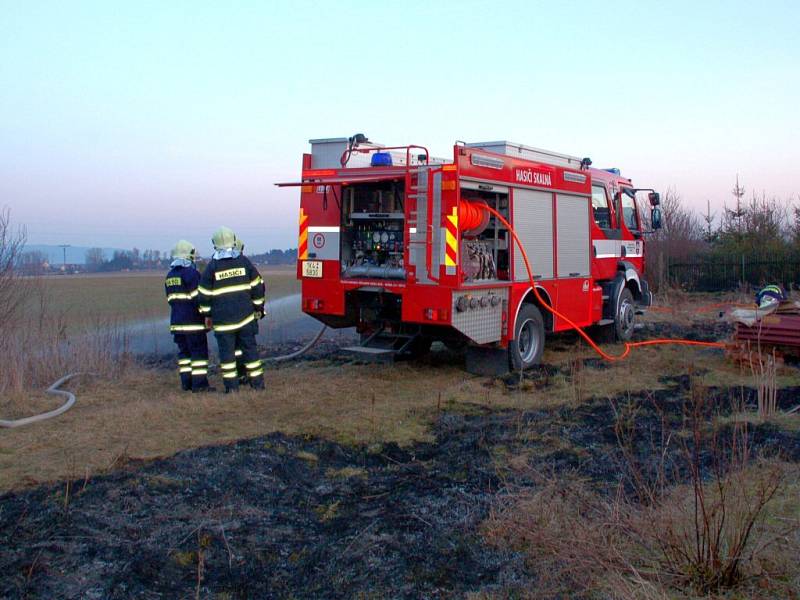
(231, 290)
(180, 287)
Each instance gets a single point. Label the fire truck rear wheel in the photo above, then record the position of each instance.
(420, 347)
(525, 350)
(625, 319)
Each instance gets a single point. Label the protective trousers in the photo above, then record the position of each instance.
(243, 339)
(192, 360)
(241, 370)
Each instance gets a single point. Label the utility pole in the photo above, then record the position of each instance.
(64, 251)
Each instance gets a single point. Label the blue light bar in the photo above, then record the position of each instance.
(381, 159)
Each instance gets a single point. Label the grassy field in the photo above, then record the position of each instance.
(142, 416)
(88, 299)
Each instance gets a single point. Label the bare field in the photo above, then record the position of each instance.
(87, 299)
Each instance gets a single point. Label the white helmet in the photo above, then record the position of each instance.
(185, 250)
(223, 238)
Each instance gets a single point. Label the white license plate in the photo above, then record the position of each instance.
(312, 268)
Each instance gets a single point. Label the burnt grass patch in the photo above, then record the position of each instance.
(279, 516)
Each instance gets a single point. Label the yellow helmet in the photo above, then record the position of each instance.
(239, 245)
(223, 238)
(184, 249)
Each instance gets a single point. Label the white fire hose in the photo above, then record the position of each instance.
(53, 389)
(302, 350)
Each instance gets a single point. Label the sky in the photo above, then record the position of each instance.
(138, 123)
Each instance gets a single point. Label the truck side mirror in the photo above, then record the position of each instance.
(655, 218)
(655, 198)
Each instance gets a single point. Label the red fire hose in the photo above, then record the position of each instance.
(610, 357)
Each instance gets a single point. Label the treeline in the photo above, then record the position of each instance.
(755, 240)
(133, 260)
(35, 262)
(125, 260)
(275, 257)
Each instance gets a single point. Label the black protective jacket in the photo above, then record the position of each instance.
(182, 295)
(231, 293)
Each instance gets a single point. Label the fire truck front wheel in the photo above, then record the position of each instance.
(525, 350)
(624, 319)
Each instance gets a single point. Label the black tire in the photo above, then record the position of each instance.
(525, 350)
(625, 316)
(456, 346)
(603, 334)
(419, 347)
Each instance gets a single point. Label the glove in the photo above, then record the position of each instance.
(208, 323)
(259, 314)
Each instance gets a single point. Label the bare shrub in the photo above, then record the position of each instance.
(12, 285)
(40, 352)
(33, 338)
(764, 370)
(710, 532)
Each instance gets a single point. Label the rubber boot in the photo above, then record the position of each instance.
(257, 383)
(240, 369)
(231, 386)
(200, 384)
(186, 382)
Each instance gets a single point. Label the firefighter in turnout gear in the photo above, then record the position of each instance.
(232, 299)
(186, 322)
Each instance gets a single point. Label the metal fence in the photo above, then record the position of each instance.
(710, 275)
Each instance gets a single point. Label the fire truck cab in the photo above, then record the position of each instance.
(399, 244)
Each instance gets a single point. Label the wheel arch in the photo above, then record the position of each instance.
(530, 298)
(631, 279)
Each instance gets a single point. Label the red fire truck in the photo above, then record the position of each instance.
(399, 245)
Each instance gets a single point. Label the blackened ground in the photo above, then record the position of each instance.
(282, 516)
(327, 348)
(705, 330)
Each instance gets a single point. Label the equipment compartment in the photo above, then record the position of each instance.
(373, 221)
(484, 249)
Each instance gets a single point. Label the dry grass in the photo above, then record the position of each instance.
(733, 528)
(644, 370)
(142, 417)
(786, 422)
(37, 352)
(676, 306)
(578, 541)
